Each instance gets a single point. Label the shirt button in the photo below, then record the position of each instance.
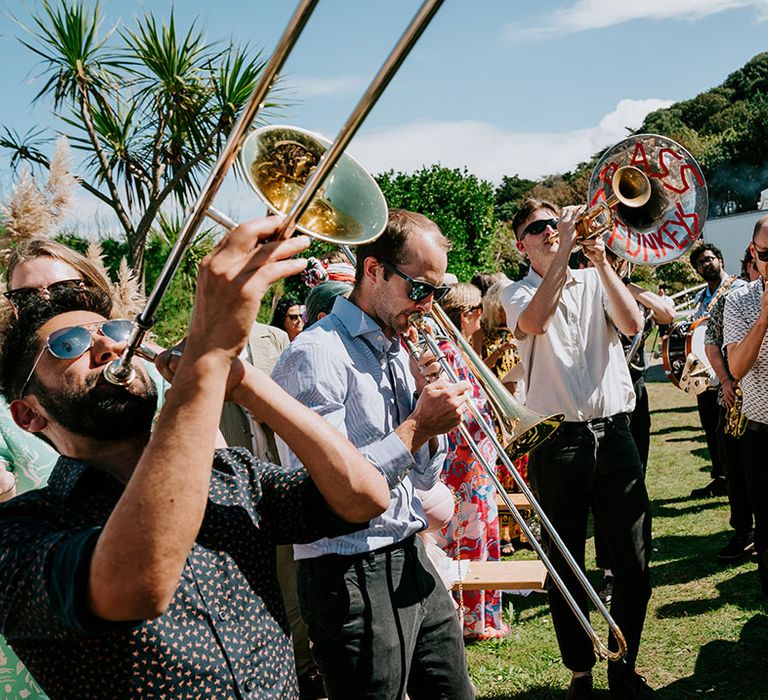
(223, 615)
(249, 685)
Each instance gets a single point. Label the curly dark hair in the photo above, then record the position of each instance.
(700, 249)
(21, 345)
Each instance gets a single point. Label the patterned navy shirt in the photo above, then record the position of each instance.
(225, 633)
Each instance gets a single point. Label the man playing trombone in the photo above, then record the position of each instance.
(565, 322)
(381, 621)
(147, 567)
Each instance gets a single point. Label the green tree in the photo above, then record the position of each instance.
(149, 106)
(509, 194)
(459, 203)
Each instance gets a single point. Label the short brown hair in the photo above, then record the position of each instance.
(527, 208)
(390, 245)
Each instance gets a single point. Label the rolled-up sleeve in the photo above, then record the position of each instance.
(514, 299)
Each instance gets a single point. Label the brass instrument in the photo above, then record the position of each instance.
(648, 198)
(528, 430)
(294, 159)
(735, 420)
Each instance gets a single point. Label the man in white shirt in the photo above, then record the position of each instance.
(566, 324)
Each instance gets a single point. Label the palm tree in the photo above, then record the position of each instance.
(149, 106)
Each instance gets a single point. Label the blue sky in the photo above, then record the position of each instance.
(501, 87)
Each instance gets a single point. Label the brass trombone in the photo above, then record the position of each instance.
(120, 371)
(528, 430)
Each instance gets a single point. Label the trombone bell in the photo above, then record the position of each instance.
(348, 210)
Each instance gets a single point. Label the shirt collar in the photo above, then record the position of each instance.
(360, 324)
(535, 279)
(69, 473)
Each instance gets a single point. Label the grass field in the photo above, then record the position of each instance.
(706, 633)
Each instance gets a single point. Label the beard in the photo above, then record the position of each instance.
(101, 410)
(711, 274)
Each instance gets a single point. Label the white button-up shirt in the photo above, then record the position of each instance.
(577, 367)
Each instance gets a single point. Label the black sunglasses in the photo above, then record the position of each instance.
(418, 290)
(761, 255)
(537, 227)
(20, 296)
(72, 342)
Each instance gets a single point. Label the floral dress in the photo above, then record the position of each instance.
(473, 533)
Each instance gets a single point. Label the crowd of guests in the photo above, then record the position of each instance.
(280, 496)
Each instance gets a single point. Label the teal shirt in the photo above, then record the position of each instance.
(31, 460)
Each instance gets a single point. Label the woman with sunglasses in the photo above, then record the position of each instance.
(473, 533)
(41, 269)
(288, 316)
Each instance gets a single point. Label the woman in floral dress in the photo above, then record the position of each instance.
(473, 533)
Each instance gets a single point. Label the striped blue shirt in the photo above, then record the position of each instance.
(346, 369)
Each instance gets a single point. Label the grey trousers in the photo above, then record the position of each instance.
(382, 623)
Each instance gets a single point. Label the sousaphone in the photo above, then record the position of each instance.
(648, 198)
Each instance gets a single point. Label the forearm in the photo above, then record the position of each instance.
(141, 552)
(537, 315)
(742, 355)
(353, 488)
(621, 304)
(663, 309)
(717, 362)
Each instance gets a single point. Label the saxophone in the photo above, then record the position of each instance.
(735, 420)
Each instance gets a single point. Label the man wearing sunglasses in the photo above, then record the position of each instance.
(146, 566)
(566, 324)
(707, 260)
(744, 336)
(380, 620)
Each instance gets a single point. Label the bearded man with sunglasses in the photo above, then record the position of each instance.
(146, 567)
(745, 325)
(381, 621)
(566, 323)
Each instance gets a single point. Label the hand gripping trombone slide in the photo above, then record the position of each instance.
(446, 325)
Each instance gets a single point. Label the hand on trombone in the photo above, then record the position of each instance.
(231, 282)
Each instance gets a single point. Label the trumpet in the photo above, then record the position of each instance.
(528, 430)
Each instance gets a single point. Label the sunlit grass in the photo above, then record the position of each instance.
(706, 633)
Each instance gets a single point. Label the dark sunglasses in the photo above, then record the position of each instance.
(705, 261)
(293, 317)
(418, 290)
(761, 255)
(537, 227)
(72, 342)
(19, 296)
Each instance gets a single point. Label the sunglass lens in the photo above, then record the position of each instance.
(68, 343)
(440, 293)
(119, 330)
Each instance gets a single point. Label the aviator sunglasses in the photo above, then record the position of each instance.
(537, 227)
(72, 342)
(418, 290)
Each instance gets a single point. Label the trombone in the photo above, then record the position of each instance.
(120, 371)
(528, 430)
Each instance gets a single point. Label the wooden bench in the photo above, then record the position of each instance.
(518, 500)
(502, 575)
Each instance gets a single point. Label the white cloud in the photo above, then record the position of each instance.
(597, 14)
(490, 152)
(313, 87)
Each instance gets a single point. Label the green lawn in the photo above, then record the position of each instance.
(706, 633)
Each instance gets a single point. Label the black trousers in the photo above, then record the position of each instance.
(596, 466)
(709, 414)
(754, 447)
(735, 470)
(382, 623)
